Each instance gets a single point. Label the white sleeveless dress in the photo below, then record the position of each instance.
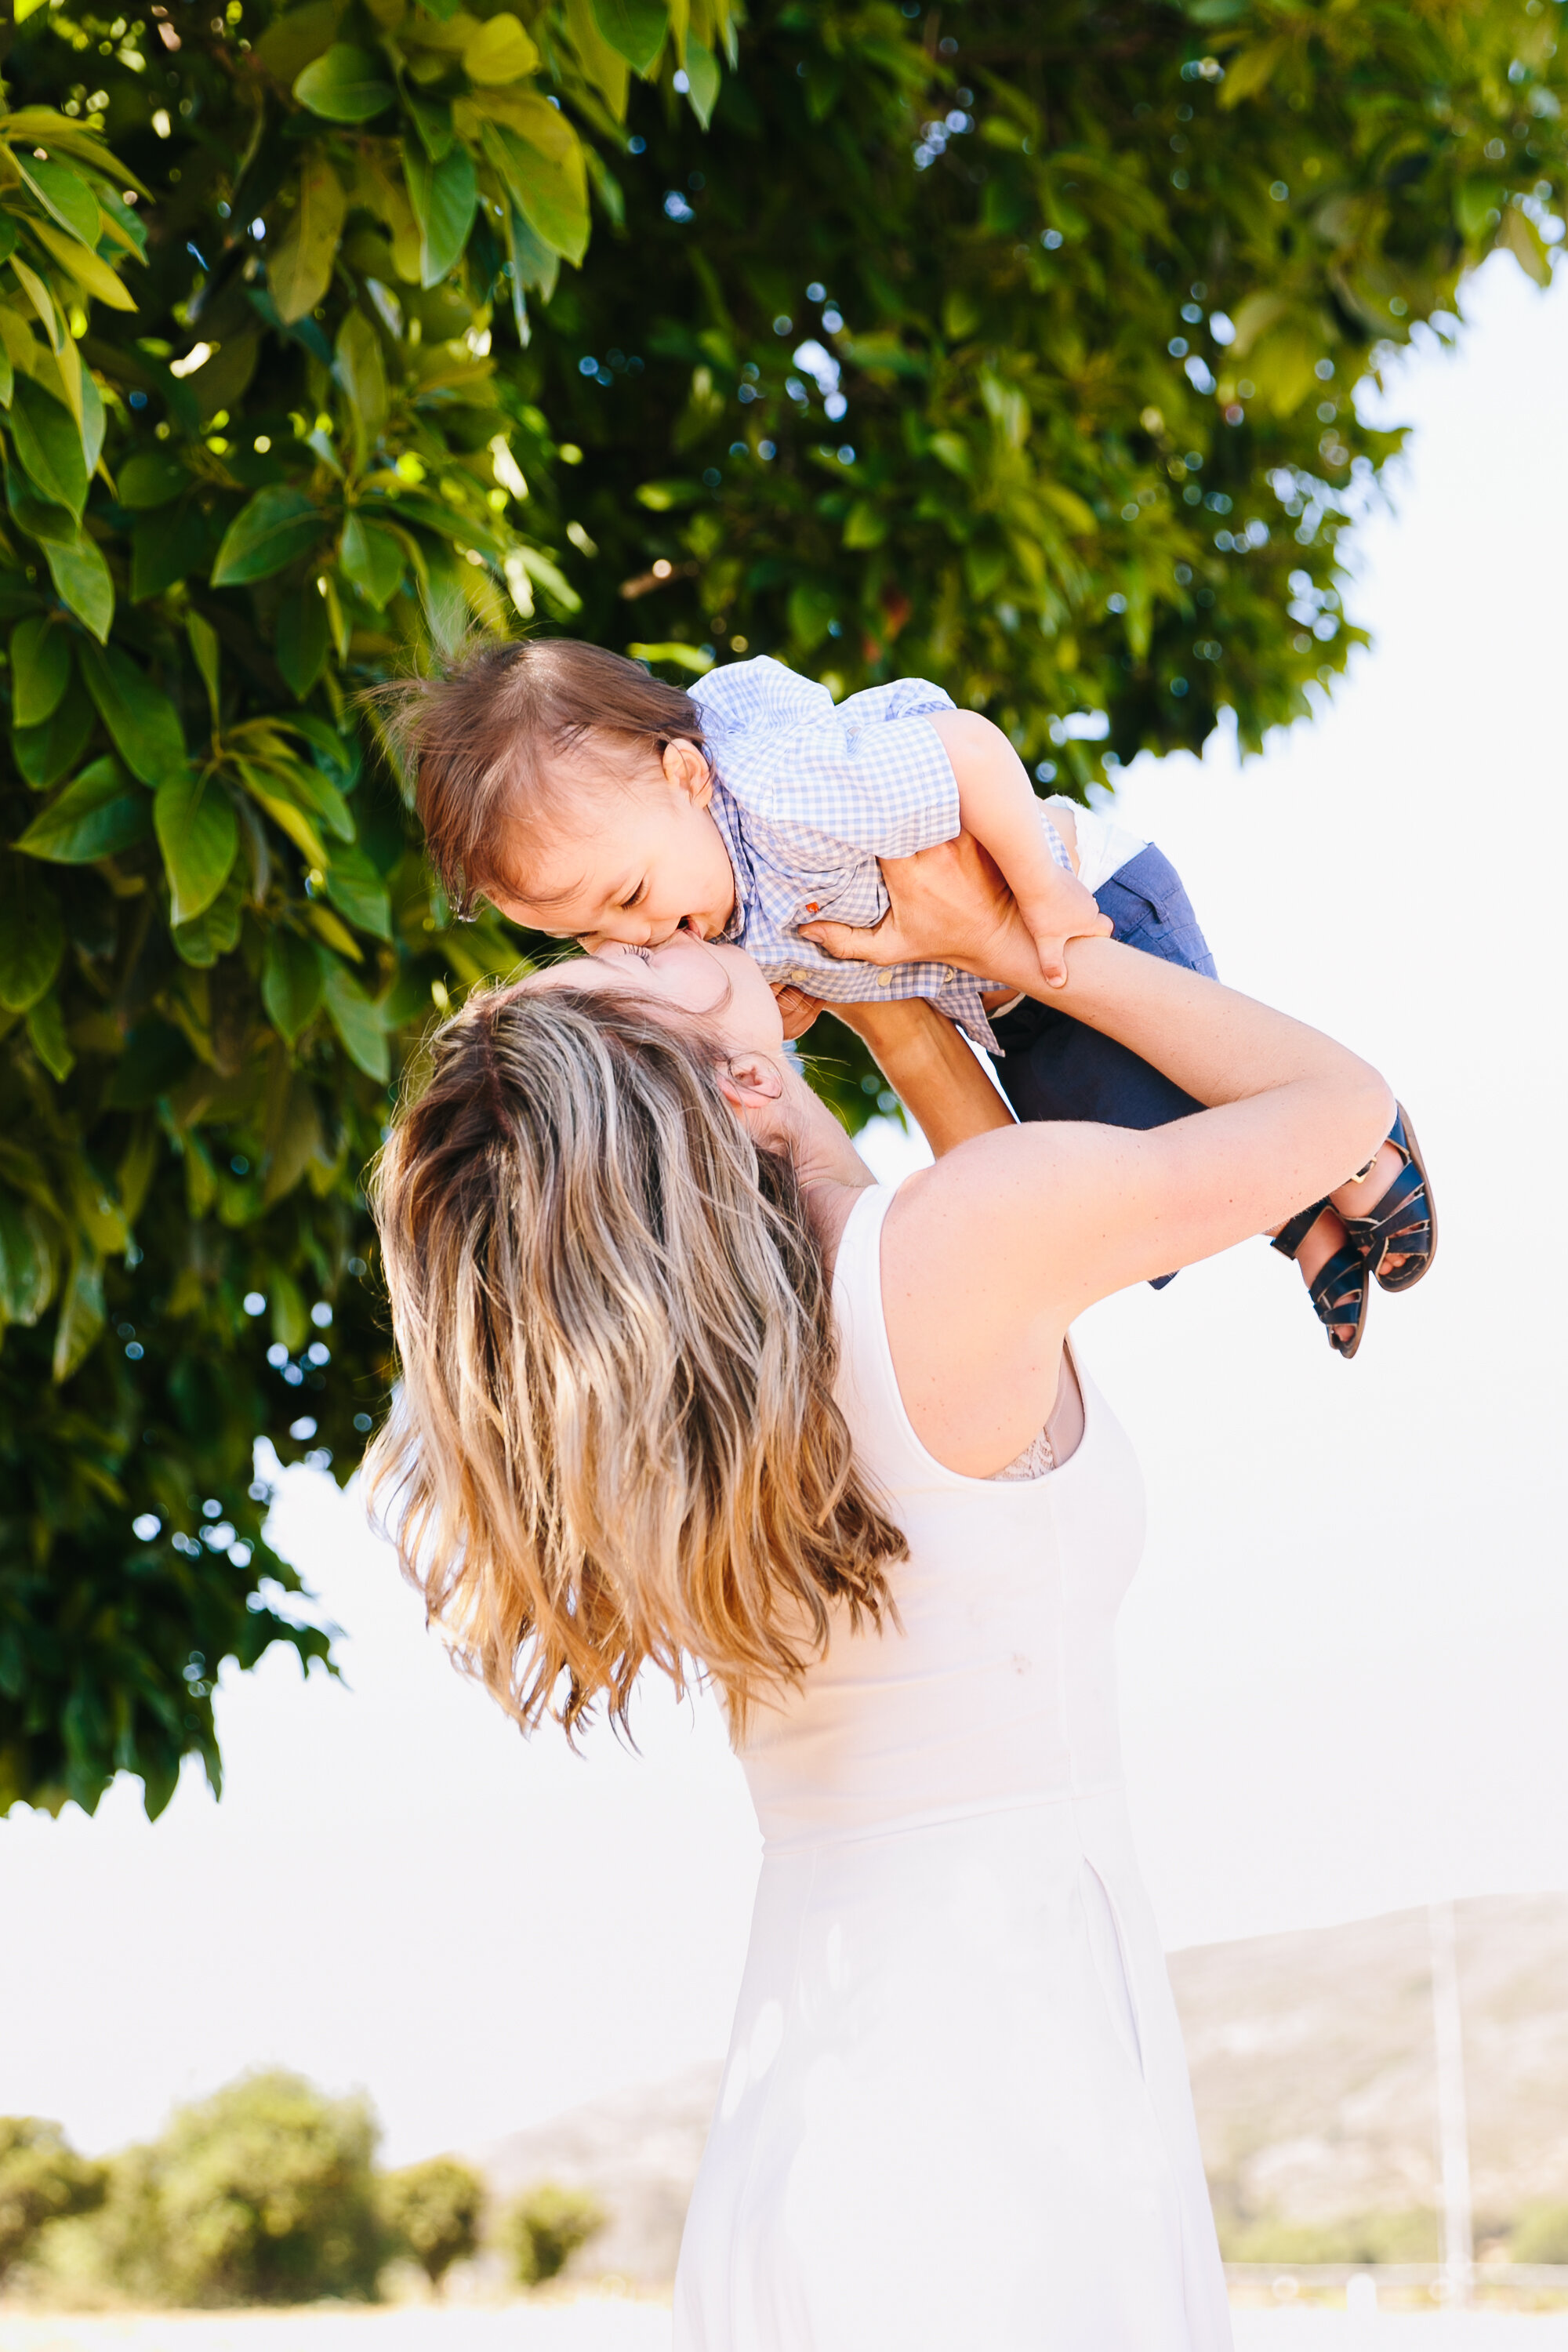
(955, 2115)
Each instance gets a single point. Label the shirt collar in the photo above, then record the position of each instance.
(727, 817)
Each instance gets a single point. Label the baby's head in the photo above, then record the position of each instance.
(571, 789)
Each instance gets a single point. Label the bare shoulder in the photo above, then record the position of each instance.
(976, 1204)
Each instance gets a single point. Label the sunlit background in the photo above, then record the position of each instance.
(1344, 1662)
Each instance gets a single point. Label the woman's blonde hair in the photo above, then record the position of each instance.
(615, 1437)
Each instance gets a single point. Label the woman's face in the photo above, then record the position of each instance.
(702, 979)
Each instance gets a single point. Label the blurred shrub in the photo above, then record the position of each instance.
(1540, 2234)
(544, 2229)
(1408, 2237)
(430, 2212)
(42, 2179)
(263, 2193)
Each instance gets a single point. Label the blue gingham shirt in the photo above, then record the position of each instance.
(809, 795)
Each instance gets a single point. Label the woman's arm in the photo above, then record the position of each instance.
(931, 1069)
(989, 1255)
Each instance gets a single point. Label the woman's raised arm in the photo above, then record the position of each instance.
(990, 1254)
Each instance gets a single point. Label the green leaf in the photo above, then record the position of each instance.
(100, 815)
(277, 526)
(63, 196)
(358, 1022)
(49, 446)
(151, 479)
(26, 1272)
(362, 372)
(315, 792)
(47, 1028)
(702, 74)
(143, 722)
(373, 558)
(500, 51)
(198, 834)
(634, 29)
(299, 644)
(204, 647)
(300, 272)
(358, 892)
(1475, 201)
(345, 85)
(44, 754)
(433, 121)
(40, 670)
(32, 936)
(291, 983)
(297, 35)
(445, 197)
(551, 191)
(691, 658)
(81, 1316)
(81, 579)
(216, 930)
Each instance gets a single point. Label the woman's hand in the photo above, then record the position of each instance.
(948, 905)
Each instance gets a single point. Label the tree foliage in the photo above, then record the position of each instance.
(431, 2213)
(1015, 347)
(544, 2228)
(262, 2194)
(42, 2179)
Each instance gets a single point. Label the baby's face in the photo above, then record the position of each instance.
(634, 861)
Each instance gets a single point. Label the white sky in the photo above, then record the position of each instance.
(1343, 1661)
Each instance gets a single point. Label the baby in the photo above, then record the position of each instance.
(589, 799)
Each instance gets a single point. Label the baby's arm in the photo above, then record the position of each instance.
(997, 805)
(929, 1066)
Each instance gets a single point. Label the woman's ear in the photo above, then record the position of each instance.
(685, 768)
(749, 1081)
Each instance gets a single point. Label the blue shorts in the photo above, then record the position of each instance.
(1053, 1068)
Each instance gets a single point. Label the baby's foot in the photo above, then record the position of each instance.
(1353, 1199)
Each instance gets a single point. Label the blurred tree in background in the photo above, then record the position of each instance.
(42, 2179)
(1017, 347)
(431, 2212)
(544, 2227)
(264, 2193)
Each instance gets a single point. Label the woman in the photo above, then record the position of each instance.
(680, 1382)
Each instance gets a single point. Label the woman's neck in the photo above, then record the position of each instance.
(831, 1172)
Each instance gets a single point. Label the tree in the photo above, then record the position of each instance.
(42, 2179)
(263, 2193)
(545, 2226)
(432, 2211)
(1019, 347)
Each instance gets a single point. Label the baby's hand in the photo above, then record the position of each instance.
(797, 1010)
(1056, 908)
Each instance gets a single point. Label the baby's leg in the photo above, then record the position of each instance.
(1055, 1067)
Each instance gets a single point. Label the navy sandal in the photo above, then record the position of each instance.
(1404, 1223)
(1341, 1289)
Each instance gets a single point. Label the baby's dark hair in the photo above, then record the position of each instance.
(478, 736)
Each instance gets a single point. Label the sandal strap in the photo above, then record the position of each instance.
(1340, 1292)
(1396, 1222)
(1338, 1283)
(1290, 1235)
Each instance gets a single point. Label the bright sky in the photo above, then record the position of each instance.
(1343, 1661)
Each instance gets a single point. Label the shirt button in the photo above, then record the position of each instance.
(884, 980)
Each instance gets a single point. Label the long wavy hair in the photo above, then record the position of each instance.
(615, 1438)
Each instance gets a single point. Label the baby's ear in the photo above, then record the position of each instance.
(688, 771)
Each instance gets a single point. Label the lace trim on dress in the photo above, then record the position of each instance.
(1034, 1461)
